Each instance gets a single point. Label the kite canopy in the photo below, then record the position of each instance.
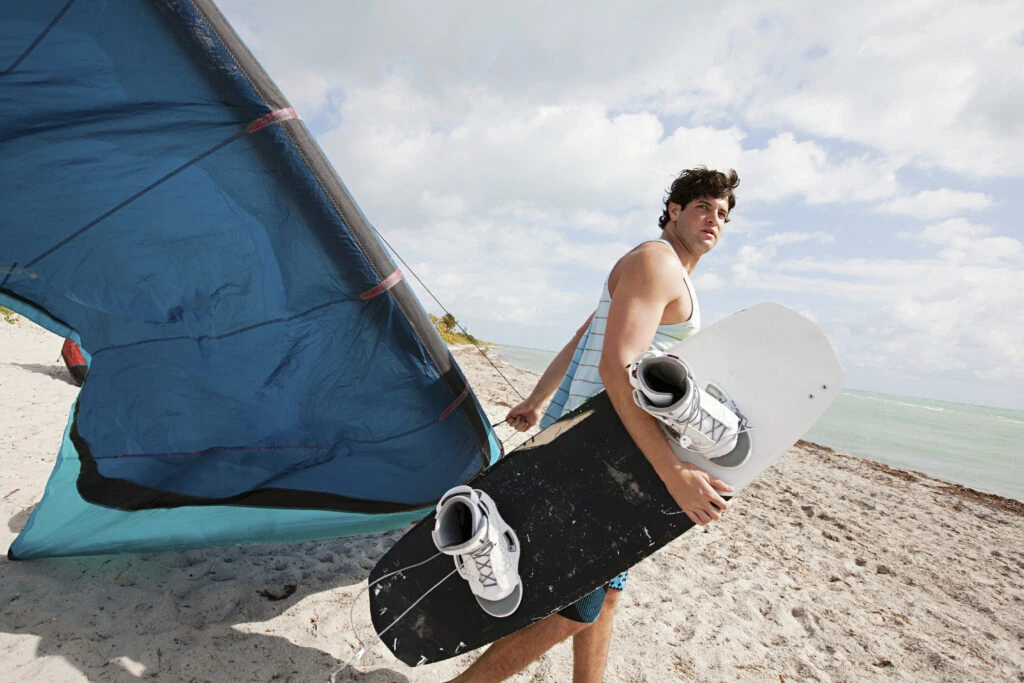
(258, 369)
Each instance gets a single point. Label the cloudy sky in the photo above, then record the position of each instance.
(511, 152)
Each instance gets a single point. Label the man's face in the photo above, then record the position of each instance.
(699, 224)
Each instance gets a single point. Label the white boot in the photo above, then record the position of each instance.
(486, 550)
(703, 421)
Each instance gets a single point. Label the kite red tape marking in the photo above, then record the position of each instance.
(455, 404)
(386, 284)
(272, 118)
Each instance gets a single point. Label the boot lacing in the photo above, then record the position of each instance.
(482, 558)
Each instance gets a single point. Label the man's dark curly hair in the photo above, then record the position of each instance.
(700, 182)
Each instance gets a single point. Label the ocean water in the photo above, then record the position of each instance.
(528, 359)
(976, 446)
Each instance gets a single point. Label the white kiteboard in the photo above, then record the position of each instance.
(777, 368)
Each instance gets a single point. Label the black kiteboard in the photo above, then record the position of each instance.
(584, 501)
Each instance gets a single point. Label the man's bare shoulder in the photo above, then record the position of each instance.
(655, 254)
(654, 264)
(655, 259)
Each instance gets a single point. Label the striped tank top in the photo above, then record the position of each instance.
(583, 380)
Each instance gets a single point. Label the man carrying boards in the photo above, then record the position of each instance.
(648, 303)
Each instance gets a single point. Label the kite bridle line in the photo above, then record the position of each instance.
(472, 340)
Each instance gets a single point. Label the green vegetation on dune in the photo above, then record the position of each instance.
(446, 326)
(7, 314)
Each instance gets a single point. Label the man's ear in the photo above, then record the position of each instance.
(674, 210)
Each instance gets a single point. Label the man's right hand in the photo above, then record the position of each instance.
(696, 493)
(524, 416)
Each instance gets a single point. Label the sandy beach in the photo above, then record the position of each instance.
(829, 568)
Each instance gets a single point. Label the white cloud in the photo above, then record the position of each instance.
(927, 82)
(941, 203)
(930, 83)
(442, 206)
(787, 168)
(515, 151)
(578, 158)
(962, 243)
(783, 238)
(951, 313)
(708, 281)
(761, 252)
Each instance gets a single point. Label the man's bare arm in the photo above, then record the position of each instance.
(647, 282)
(528, 413)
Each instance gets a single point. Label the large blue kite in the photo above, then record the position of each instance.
(259, 370)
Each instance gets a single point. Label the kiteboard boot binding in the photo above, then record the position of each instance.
(702, 421)
(486, 550)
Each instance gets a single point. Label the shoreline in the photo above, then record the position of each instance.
(828, 568)
(990, 500)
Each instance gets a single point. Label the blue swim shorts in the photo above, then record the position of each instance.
(587, 609)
